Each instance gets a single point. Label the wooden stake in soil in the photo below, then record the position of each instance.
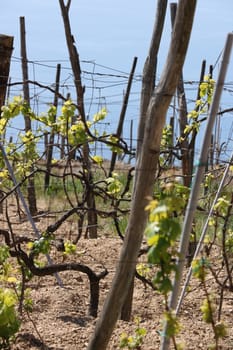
(122, 115)
(49, 153)
(27, 120)
(6, 48)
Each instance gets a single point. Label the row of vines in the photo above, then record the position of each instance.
(82, 188)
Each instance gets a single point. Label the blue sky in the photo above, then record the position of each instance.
(110, 34)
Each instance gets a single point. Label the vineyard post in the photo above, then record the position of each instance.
(145, 170)
(122, 114)
(49, 149)
(27, 120)
(6, 48)
(148, 84)
(183, 120)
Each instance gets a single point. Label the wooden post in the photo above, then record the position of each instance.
(26, 93)
(149, 70)
(145, 170)
(122, 115)
(31, 183)
(131, 141)
(49, 152)
(6, 48)
(183, 120)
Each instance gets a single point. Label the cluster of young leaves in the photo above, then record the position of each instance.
(222, 205)
(167, 135)
(173, 325)
(41, 245)
(206, 90)
(9, 321)
(44, 243)
(143, 270)
(134, 341)
(11, 110)
(163, 231)
(200, 269)
(70, 125)
(217, 221)
(65, 122)
(114, 185)
(229, 242)
(26, 154)
(9, 318)
(69, 248)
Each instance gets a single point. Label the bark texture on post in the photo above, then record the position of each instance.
(149, 70)
(183, 120)
(31, 192)
(122, 115)
(49, 148)
(6, 48)
(24, 61)
(145, 173)
(148, 84)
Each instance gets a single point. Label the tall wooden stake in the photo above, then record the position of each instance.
(122, 115)
(31, 183)
(6, 48)
(49, 153)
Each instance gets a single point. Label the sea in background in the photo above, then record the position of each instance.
(105, 87)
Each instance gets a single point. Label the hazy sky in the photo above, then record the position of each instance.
(110, 33)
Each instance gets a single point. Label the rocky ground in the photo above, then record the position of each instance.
(59, 319)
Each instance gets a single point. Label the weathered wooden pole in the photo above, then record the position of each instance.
(145, 170)
(130, 141)
(24, 64)
(49, 152)
(183, 120)
(6, 48)
(27, 120)
(122, 115)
